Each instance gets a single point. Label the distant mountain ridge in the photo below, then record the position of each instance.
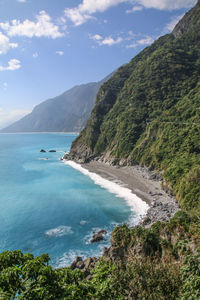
(67, 112)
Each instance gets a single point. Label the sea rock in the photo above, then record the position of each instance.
(99, 236)
(52, 150)
(42, 150)
(76, 262)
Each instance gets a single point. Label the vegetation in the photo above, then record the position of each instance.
(149, 267)
(148, 114)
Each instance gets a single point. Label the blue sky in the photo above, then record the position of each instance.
(48, 46)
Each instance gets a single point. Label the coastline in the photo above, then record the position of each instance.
(144, 184)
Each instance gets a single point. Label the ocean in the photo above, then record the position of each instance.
(49, 206)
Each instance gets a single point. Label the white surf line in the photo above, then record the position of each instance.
(136, 204)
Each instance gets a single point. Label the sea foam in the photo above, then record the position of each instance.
(59, 231)
(68, 257)
(138, 206)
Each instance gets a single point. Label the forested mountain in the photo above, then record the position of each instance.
(148, 112)
(68, 112)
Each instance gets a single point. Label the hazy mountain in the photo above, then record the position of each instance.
(68, 112)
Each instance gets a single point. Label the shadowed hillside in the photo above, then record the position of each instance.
(68, 112)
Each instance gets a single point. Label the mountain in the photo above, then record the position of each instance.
(148, 113)
(68, 112)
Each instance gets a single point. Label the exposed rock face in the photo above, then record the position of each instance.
(79, 153)
(42, 150)
(82, 149)
(99, 236)
(84, 265)
(189, 21)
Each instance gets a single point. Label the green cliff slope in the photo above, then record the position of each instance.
(148, 113)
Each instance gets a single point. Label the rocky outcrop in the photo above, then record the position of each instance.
(84, 265)
(80, 153)
(160, 211)
(190, 21)
(42, 151)
(99, 236)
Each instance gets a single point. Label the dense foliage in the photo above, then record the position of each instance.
(155, 263)
(147, 113)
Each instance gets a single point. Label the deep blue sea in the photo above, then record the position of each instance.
(47, 206)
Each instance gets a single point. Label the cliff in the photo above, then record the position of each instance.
(147, 113)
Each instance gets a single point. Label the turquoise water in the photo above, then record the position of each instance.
(47, 206)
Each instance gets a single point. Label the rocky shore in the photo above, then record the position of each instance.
(146, 184)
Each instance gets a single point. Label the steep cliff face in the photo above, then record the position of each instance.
(190, 22)
(148, 112)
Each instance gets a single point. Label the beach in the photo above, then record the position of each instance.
(143, 183)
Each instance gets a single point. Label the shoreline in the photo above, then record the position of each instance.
(144, 184)
(137, 206)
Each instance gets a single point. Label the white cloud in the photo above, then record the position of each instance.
(84, 11)
(170, 26)
(5, 44)
(13, 65)
(109, 41)
(134, 9)
(43, 27)
(131, 37)
(96, 37)
(147, 40)
(167, 4)
(77, 17)
(60, 53)
(133, 45)
(8, 117)
(35, 55)
(21, 1)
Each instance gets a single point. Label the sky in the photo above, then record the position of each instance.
(49, 46)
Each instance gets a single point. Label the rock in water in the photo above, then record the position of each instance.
(99, 236)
